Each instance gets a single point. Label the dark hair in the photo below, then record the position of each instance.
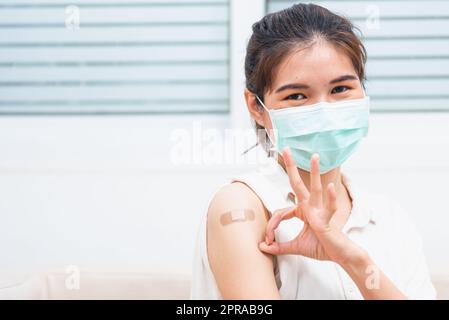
(279, 33)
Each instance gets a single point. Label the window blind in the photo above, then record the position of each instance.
(99, 56)
(408, 50)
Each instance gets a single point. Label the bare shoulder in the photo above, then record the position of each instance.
(232, 197)
(241, 270)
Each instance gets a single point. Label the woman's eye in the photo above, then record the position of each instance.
(340, 89)
(296, 96)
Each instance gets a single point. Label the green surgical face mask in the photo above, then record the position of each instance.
(331, 129)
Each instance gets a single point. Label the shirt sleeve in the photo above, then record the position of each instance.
(416, 282)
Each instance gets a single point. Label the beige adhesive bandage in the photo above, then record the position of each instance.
(237, 215)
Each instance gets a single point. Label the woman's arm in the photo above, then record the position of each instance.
(241, 270)
(371, 281)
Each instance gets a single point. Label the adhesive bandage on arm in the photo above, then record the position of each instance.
(236, 215)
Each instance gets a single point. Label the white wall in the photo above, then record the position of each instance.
(101, 193)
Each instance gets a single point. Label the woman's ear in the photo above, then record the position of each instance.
(254, 109)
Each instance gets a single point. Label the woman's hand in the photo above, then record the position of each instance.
(319, 239)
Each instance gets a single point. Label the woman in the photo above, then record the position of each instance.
(304, 85)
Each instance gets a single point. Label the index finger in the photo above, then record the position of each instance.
(293, 175)
(275, 220)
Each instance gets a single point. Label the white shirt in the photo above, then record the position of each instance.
(377, 224)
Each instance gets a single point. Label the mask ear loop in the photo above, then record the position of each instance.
(272, 150)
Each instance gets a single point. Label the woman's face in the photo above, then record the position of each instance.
(310, 75)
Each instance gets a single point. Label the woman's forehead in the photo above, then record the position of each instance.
(318, 63)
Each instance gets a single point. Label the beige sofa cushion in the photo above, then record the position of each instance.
(119, 285)
(441, 284)
(17, 287)
(99, 285)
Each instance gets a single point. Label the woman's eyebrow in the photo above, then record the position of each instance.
(296, 86)
(343, 78)
(292, 86)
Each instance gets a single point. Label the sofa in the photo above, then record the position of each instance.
(116, 285)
